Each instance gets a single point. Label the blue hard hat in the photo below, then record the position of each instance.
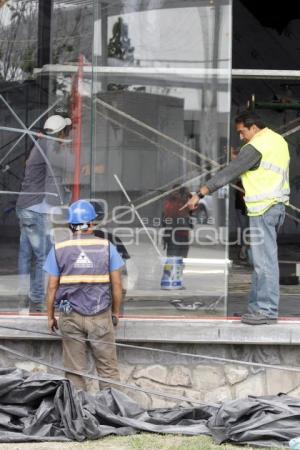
(81, 212)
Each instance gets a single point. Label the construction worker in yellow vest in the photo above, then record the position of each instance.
(263, 165)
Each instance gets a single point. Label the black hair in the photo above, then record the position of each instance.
(249, 119)
(78, 227)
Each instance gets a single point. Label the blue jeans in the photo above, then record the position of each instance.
(34, 247)
(265, 295)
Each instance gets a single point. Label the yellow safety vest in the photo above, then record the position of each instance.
(269, 183)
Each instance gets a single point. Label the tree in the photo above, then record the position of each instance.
(18, 28)
(19, 34)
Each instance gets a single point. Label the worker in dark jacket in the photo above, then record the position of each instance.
(49, 160)
(85, 282)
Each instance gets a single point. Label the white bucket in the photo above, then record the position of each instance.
(172, 273)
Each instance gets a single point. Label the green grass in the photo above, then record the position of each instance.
(149, 441)
(143, 441)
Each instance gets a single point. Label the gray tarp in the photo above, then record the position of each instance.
(44, 407)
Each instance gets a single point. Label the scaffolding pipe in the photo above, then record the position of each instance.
(77, 126)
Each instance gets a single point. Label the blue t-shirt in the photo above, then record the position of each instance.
(115, 261)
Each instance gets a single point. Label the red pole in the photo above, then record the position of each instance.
(77, 128)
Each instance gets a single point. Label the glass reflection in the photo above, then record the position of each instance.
(146, 87)
(161, 112)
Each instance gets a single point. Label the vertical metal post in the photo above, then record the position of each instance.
(44, 47)
(104, 18)
(104, 28)
(44, 32)
(77, 128)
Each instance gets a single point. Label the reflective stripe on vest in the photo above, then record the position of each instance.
(81, 243)
(66, 279)
(260, 209)
(269, 183)
(279, 195)
(269, 166)
(279, 192)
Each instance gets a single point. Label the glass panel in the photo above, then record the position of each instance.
(48, 165)
(146, 86)
(161, 92)
(20, 105)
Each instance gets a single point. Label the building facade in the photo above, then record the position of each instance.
(147, 86)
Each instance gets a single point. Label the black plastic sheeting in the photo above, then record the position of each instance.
(45, 407)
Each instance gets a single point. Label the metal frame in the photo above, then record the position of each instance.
(195, 73)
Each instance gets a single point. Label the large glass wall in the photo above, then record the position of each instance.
(161, 96)
(146, 85)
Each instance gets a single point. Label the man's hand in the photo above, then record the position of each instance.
(52, 324)
(115, 319)
(193, 202)
(116, 287)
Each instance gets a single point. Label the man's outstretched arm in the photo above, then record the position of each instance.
(246, 160)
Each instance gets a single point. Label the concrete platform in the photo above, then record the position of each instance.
(210, 331)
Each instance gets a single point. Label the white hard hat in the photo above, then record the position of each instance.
(54, 124)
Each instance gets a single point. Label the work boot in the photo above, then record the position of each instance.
(258, 319)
